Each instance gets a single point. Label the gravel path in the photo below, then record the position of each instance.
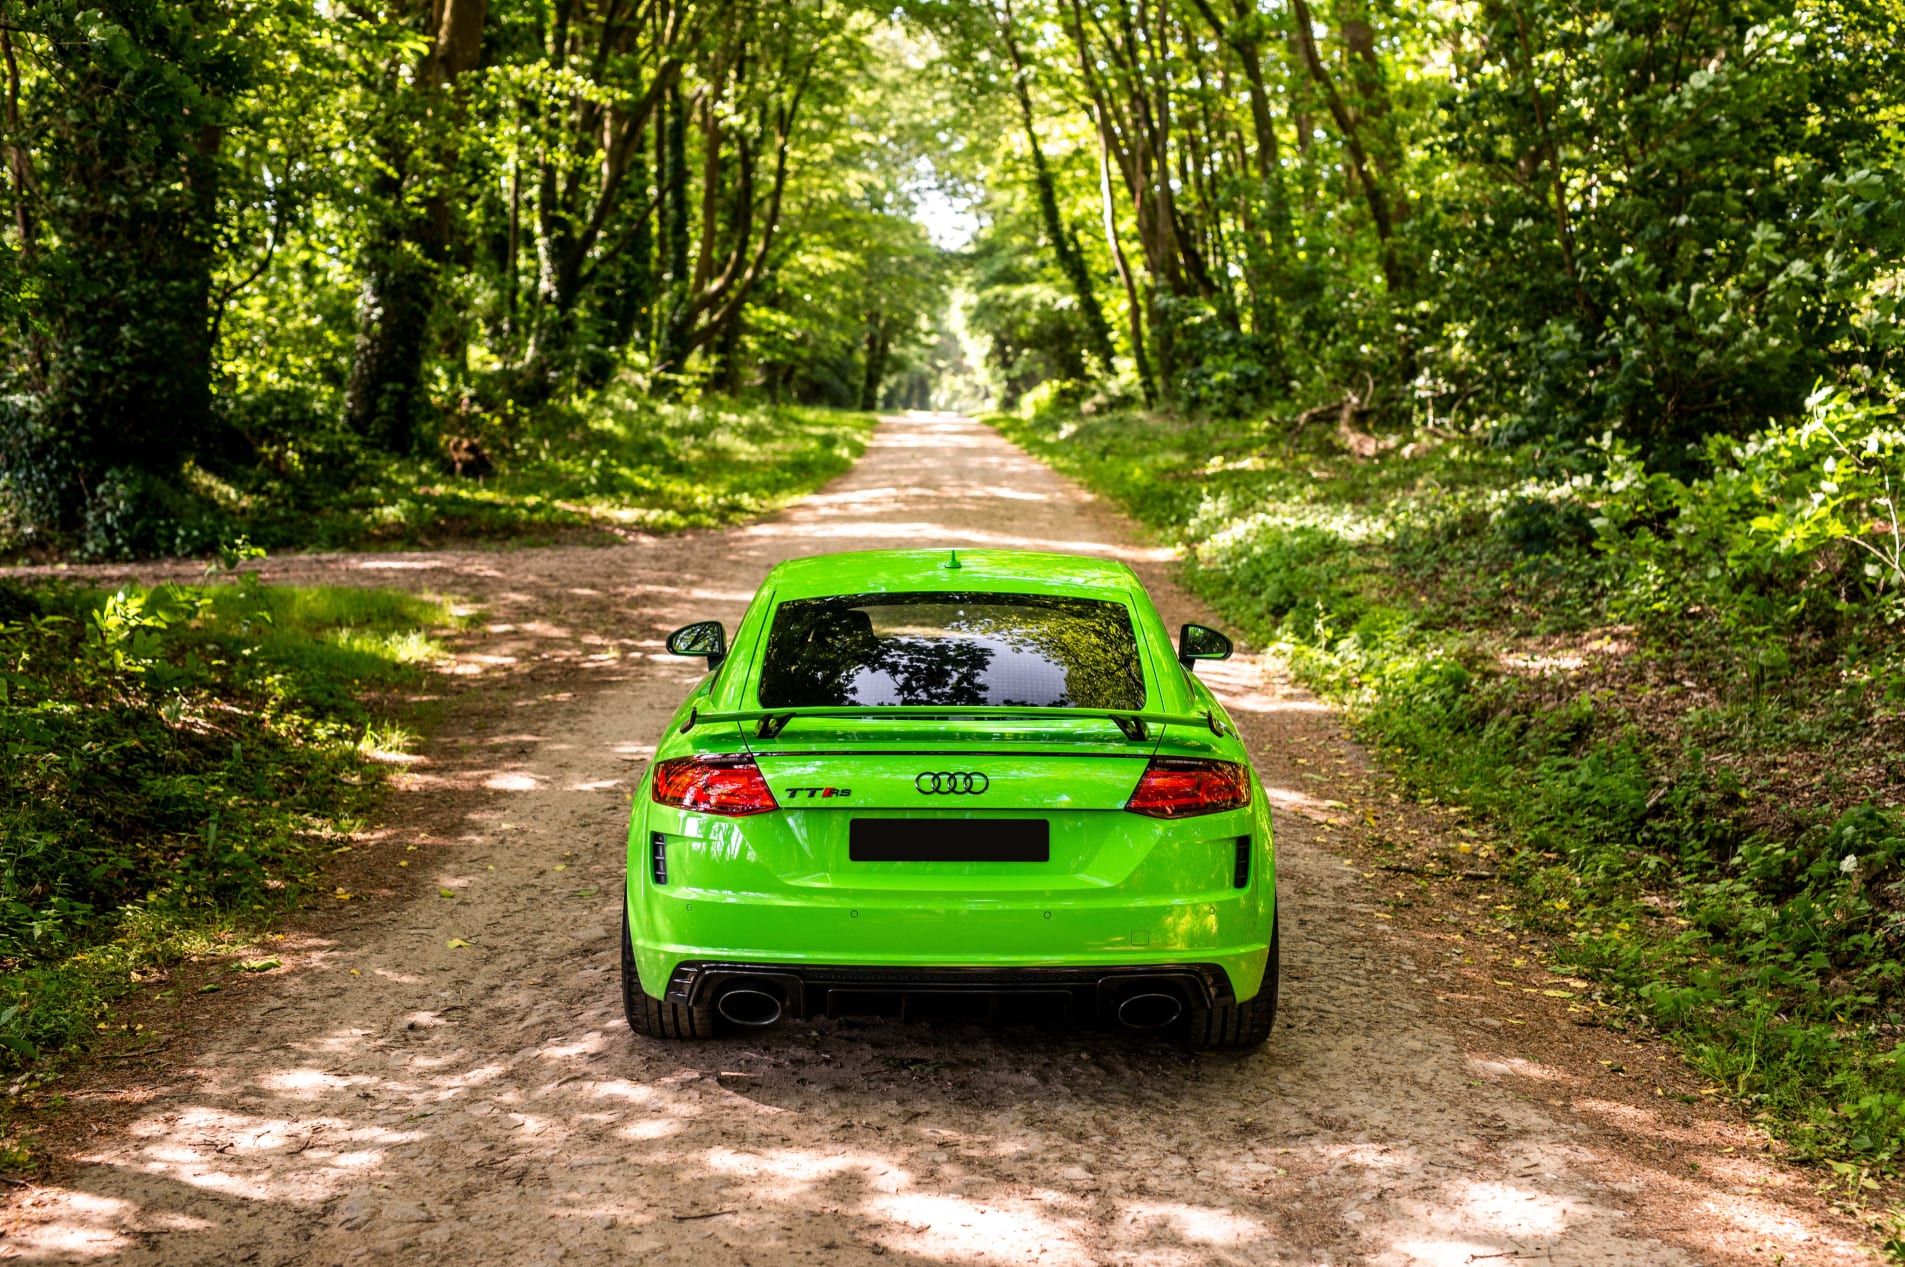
(392, 1095)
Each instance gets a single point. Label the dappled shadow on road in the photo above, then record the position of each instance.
(440, 1072)
(423, 1137)
(909, 1143)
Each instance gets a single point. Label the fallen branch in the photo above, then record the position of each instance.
(143, 1051)
(1360, 443)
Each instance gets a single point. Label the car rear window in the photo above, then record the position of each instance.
(1026, 650)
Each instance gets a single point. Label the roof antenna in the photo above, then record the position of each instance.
(953, 564)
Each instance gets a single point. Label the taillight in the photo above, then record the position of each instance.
(730, 785)
(1183, 787)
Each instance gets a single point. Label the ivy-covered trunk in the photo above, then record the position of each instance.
(126, 306)
(384, 399)
(670, 322)
(1065, 249)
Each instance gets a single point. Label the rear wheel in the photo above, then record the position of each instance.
(655, 1017)
(1240, 1026)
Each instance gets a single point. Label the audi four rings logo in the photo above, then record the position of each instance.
(951, 782)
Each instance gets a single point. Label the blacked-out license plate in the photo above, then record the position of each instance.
(949, 840)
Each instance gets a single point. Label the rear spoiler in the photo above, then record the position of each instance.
(771, 721)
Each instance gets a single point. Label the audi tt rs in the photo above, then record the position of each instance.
(984, 783)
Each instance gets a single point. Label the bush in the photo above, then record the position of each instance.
(1228, 373)
(1793, 527)
(178, 761)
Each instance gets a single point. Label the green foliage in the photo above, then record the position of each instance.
(262, 236)
(118, 230)
(1543, 220)
(258, 258)
(1744, 201)
(178, 764)
(619, 461)
(1792, 528)
(1671, 694)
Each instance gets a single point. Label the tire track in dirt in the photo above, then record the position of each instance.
(387, 1096)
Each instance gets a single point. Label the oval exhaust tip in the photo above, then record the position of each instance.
(752, 1008)
(1150, 1011)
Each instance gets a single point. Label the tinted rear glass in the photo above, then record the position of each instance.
(1026, 650)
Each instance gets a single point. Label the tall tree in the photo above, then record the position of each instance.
(1268, 214)
(1375, 195)
(613, 72)
(762, 76)
(1114, 243)
(116, 168)
(410, 243)
(1065, 248)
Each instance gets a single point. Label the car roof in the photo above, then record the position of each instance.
(889, 571)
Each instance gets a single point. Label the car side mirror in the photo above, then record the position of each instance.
(1200, 642)
(704, 637)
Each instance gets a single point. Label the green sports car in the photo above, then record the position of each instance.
(977, 782)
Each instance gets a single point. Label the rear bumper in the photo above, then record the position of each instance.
(1224, 943)
(1074, 995)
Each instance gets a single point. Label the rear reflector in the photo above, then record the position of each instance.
(730, 785)
(1183, 787)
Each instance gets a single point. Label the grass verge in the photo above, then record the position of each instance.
(1689, 756)
(617, 464)
(178, 764)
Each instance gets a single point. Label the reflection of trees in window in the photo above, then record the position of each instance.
(931, 671)
(813, 651)
(1092, 642)
(1088, 639)
(943, 649)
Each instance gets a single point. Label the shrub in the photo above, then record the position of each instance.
(177, 761)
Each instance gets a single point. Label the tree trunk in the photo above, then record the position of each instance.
(384, 398)
(1071, 260)
(1133, 306)
(727, 355)
(627, 309)
(1304, 122)
(123, 230)
(877, 343)
(1135, 124)
(674, 229)
(1268, 283)
(1373, 194)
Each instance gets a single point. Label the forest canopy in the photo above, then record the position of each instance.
(253, 245)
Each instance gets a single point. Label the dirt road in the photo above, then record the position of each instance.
(393, 1095)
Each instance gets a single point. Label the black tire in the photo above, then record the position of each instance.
(655, 1017)
(1240, 1026)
